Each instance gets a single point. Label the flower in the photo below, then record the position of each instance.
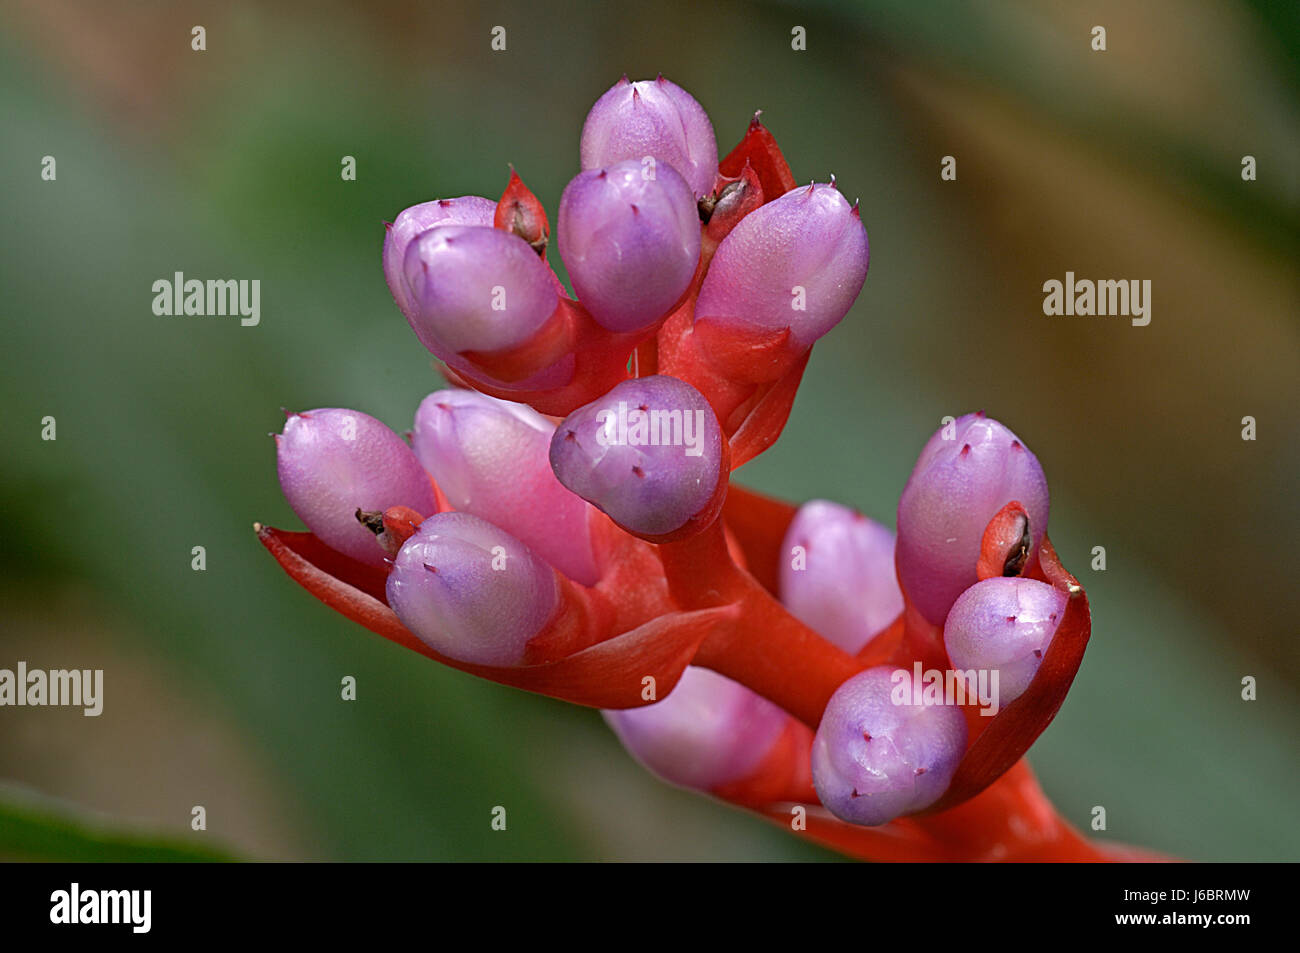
(876, 758)
(474, 288)
(1004, 624)
(966, 472)
(413, 222)
(837, 574)
(796, 264)
(649, 453)
(334, 463)
(610, 561)
(490, 458)
(472, 591)
(655, 119)
(709, 732)
(631, 240)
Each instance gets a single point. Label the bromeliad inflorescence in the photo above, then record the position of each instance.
(564, 521)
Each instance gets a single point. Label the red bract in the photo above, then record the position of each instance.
(707, 594)
(759, 151)
(521, 212)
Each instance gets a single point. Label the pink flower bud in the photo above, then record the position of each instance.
(966, 473)
(333, 462)
(490, 459)
(708, 732)
(1004, 624)
(415, 221)
(648, 453)
(837, 574)
(475, 288)
(797, 262)
(652, 118)
(631, 240)
(472, 591)
(878, 754)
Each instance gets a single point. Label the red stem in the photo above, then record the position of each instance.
(766, 648)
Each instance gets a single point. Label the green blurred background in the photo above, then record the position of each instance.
(222, 687)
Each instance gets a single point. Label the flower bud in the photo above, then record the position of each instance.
(966, 473)
(631, 240)
(879, 753)
(334, 462)
(415, 221)
(472, 591)
(797, 262)
(837, 574)
(708, 732)
(648, 453)
(1004, 624)
(652, 118)
(475, 288)
(490, 458)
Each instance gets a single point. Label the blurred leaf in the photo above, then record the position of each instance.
(32, 832)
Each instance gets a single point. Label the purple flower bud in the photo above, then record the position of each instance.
(878, 754)
(648, 453)
(968, 471)
(837, 574)
(797, 262)
(413, 222)
(708, 732)
(631, 240)
(653, 118)
(475, 288)
(472, 591)
(1004, 624)
(490, 459)
(333, 462)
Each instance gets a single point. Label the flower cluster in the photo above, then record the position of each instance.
(563, 518)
